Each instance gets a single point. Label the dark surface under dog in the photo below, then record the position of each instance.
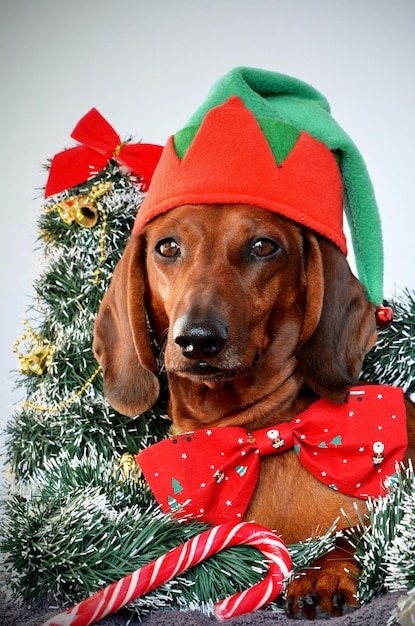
(376, 613)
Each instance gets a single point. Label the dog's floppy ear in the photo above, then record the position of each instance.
(122, 343)
(331, 358)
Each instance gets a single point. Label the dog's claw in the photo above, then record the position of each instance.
(289, 605)
(309, 600)
(339, 600)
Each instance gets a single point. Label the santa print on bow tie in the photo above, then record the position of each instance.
(353, 448)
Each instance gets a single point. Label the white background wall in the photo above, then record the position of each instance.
(148, 64)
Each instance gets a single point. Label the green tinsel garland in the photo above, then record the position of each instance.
(89, 525)
(383, 545)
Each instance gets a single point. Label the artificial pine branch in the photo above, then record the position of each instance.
(89, 525)
(404, 613)
(392, 360)
(384, 541)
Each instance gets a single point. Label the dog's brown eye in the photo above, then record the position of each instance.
(263, 248)
(168, 248)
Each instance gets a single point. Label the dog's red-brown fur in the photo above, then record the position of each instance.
(294, 325)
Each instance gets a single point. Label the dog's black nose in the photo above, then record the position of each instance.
(200, 339)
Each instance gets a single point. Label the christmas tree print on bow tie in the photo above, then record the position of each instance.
(336, 441)
(212, 474)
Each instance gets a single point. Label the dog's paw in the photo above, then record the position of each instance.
(328, 589)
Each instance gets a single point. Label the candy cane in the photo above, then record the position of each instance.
(178, 560)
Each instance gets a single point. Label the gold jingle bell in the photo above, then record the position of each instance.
(86, 213)
(65, 211)
(37, 361)
(79, 209)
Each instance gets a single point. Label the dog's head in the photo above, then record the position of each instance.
(233, 294)
(246, 302)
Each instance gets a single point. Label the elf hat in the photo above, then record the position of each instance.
(268, 139)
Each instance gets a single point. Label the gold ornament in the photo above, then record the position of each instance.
(119, 148)
(65, 403)
(173, 431)
(82, 208)
(77, 209)
(129, 467)
(38, 359)
(102, 252)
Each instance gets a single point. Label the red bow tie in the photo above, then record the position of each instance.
(211, 474)
(100, 144)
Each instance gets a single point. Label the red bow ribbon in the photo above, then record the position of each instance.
(100, 144)
(353, 448)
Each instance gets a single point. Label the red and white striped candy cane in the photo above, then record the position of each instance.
(178, 560)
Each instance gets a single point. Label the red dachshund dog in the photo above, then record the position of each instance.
(257, 318)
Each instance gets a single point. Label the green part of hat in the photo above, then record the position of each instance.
(276, 96)
(280, 136)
